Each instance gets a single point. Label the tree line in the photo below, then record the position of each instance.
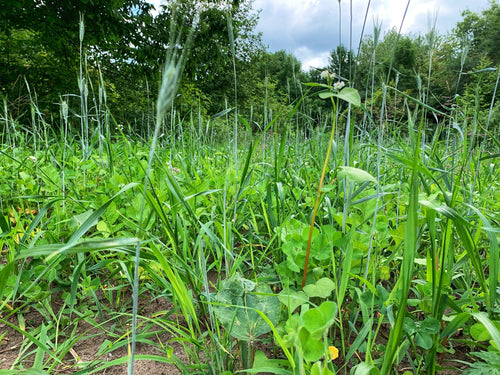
(48, 47)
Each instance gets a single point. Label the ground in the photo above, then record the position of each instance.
(87, 348)
(94, 337)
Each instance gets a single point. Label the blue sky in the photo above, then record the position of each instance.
(310, 28)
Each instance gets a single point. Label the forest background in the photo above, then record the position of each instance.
(124, 45)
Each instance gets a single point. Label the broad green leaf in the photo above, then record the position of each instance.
(292, 299)
(350, 95)
(493, 327)
(236, 307)
(424, 340)
(356, 175)
(314, 321)
(103, 227)
(319, 319)
(326, 94)
(312, 347)
(322, 288)
(409, 326)
(347, 94)
(263, 364)
(318, 369)
(365, 369)
(479, 332)
(329, 310)
(430, 325)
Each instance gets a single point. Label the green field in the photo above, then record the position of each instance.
(346, 231)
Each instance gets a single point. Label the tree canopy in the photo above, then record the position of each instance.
(43, 46)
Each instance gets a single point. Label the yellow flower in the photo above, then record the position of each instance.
(19, 235)
(333, 352)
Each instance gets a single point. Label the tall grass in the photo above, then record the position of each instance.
(409, 235)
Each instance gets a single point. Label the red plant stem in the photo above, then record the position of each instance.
(318, 195)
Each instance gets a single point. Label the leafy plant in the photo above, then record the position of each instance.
(239, 305)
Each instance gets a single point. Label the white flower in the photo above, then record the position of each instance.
(32, 158)
(325, 74)
(338, 85)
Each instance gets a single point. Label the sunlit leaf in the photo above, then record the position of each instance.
(356, 174)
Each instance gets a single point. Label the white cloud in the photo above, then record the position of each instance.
(156, 4)
(393, 14)
(311, 59)
(310, 28)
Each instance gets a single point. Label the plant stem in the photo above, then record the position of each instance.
(319, 193)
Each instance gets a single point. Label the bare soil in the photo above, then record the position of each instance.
(93, 336)
(87, 348)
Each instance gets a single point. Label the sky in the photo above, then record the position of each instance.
(309, 29)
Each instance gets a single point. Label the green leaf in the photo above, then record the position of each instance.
(479, 332)
(30, 371)
(490, 366)
(424, 340)
(347, 94)
(292, 299)
(314, 84)
(53, 250)
(356, 175)
(318, 369)
(457, 322)
(430, 325)
(314, 321)
(350, 95)
(78, 220)
(492, 327)
(313, 348)
(319, 319)
(5, 272)
(444, 210)
(262, 364)
(323, 288)
(409, 326)
(365, 369)
(236, 307)
(326, 94)
(329, 310)
(4, 224)
(328, 188)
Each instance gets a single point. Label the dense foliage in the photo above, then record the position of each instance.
(123, 42)
(341, 220)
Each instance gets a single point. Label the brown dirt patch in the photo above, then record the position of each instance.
(90, 335)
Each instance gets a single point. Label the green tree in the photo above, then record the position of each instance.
(40, 42)
(482, 32)
(219, 28)
(342, 62)
(269, 82)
